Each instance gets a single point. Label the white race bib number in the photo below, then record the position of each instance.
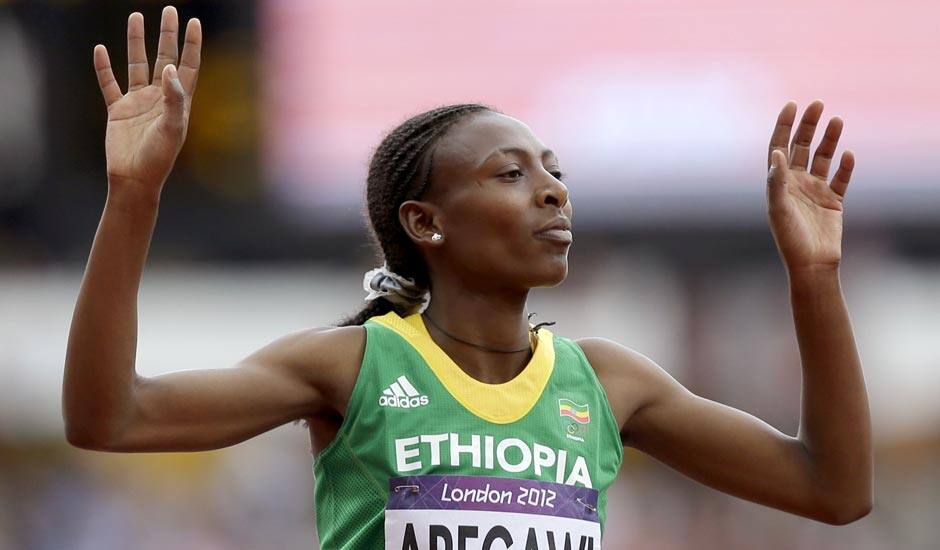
(489, 513)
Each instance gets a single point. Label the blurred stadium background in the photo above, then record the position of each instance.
(659, 111)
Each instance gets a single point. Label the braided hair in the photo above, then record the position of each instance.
(400, 171)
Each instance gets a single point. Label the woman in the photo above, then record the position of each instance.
(454, 422)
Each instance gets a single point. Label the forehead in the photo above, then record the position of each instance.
(468, 144)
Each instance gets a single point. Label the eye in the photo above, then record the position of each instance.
(558, 174)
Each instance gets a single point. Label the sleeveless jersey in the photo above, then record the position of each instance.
(428, 457)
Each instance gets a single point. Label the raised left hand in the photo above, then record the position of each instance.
(805, 209)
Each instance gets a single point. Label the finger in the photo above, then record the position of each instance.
(137, 67)
(173, 99)
(841, 180)
(777, 175)
(827, 148)
(799, 147)
(109, 86)
(781, 134)
(192, 52)
(168, 48)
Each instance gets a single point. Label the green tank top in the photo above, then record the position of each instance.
(428, 457)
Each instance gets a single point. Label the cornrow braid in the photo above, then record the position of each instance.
(399, 171)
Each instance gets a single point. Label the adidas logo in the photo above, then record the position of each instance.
(402, 394)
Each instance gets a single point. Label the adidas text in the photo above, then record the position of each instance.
(403, 402)
(401, 394)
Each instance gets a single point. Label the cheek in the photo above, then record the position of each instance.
(498, 226)
(494, 239)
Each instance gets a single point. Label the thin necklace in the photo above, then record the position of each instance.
(532, 330)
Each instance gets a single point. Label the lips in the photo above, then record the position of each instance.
(558, 230)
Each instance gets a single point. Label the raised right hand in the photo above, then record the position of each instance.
(147, 125)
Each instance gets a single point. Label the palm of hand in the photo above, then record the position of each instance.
(138, 143)
(147, 126)
(805, 211)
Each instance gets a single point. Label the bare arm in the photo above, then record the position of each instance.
(146, 129)
(296, 376)
(825, 472)
(100, 377)
(106, 405)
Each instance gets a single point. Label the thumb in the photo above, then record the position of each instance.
(173, 98)
(777, 175)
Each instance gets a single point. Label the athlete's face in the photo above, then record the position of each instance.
(494, 186)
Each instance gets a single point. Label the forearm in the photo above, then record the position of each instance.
(835, 425)
(99, 378)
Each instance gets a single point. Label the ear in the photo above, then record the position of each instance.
(421, 220)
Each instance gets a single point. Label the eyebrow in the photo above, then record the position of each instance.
(517, 150)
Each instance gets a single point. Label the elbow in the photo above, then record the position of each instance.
(843, 499)
(846, 512)
(88, 439)
(85, 441)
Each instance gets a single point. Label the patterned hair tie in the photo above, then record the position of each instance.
(382, 282)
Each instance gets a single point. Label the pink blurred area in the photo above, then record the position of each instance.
(641, 98)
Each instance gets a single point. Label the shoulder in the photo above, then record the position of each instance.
(631, 379)
(325, 358)
(613, 360)
(320, 346)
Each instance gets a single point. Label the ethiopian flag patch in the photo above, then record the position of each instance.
(578, 413)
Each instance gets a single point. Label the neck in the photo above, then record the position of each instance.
(485, 317)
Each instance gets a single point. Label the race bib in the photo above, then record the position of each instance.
(489, 513)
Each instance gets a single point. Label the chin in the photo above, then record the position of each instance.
(554, 273)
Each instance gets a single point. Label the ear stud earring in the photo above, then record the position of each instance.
(437, 237)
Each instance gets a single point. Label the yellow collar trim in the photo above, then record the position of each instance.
(498, 403)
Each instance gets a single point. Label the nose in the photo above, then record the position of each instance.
(553, 192)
